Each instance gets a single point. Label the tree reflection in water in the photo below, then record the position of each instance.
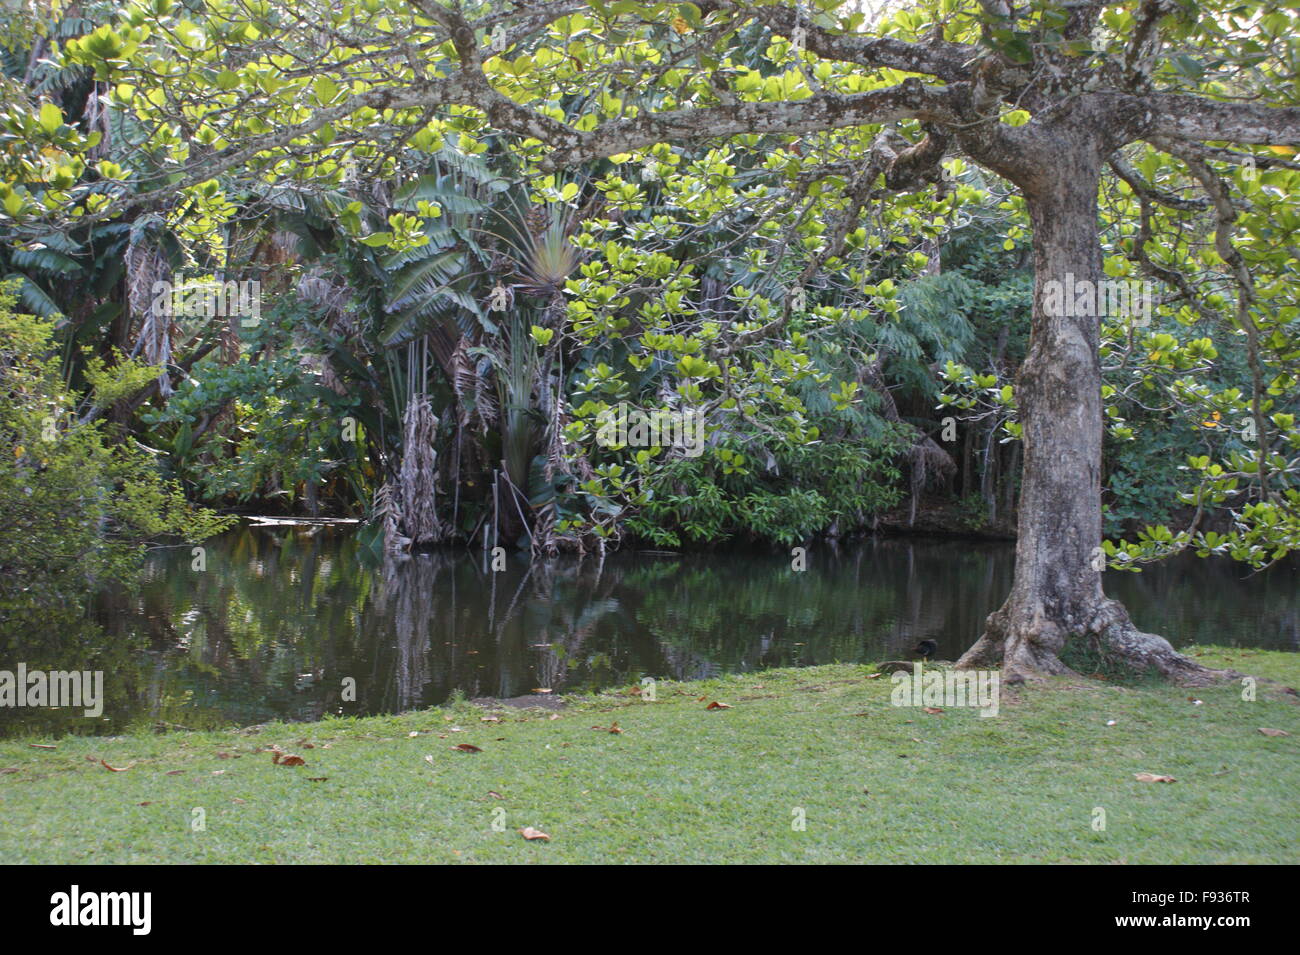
(282, 617)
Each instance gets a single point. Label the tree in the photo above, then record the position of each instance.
(1045, 95)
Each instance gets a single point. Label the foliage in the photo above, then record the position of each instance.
(80, 506)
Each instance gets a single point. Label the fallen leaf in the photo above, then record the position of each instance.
(413, 734)
(218, 772)
(238, 800)
(306, 745)
(933, 710)
(489, 719)
(715, 705)
(317, 779)
(529, 833)
(42, 746)
(174, 772)
(467, 748)
(874, 676)
(1153, 778)
(553, 716)
(495, 795)
(145, 803)
(114, 769)
(8, 769)
(1272, 732)
(287, 759)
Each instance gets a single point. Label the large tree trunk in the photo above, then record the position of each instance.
(1057, 596)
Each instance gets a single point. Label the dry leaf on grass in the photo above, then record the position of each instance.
(42, 746)
(1267, 731)
(467, 748)
(287, 759)
(1153, 778)
(933, 710)
(715, 705)
(114, 769)
(529, 833)
(495, 795)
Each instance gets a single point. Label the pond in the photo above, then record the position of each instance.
(294, 623)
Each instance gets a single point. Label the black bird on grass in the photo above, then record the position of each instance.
(926, 649)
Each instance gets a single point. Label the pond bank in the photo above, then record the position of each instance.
(808, 765)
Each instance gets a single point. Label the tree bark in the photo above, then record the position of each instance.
(1056, 596)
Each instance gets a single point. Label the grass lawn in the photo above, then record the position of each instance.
(680, 783)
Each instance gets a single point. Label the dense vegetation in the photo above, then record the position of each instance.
(444, 318)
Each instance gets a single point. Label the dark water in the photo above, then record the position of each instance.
(282, 617)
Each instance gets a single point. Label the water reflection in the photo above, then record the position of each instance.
(284, 622)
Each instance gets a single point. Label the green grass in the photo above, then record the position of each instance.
(683, 784)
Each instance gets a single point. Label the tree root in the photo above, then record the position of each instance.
(1029, 650)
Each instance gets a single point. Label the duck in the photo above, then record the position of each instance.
(926, 649)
